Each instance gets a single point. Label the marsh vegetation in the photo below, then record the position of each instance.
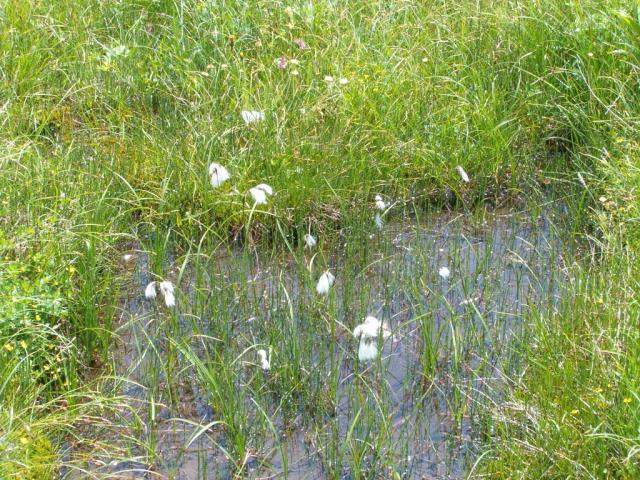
(319, 239)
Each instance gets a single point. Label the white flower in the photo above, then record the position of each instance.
(378, 221)
(380, 205)
(325, 282)
(343, 81)
(371, 328)
(294, 61)
(265, 362)
(219, 174)
(127, 257)
(444, 272)
(150, 291)
(328, 78)
(367, 332)
(266, 188)
(259, 197)
(170, 300)
(260, 193)
(166, 288)
(463, 174)
(367, 351)
(252, 116)
(309, 240)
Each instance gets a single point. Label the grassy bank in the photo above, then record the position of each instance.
(112, 112)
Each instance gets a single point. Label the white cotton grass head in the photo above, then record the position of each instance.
(380, 205)
(368, 332)
(219, 174)
(371, 328)
(309, 241)
(367, 350)
(259, 197)
(325, 282)
(265, 360)
(463, 174)
(444, 272)
(166, 287)
(265, 188)
(252, 116)
(170, 299)
(260, 193)
(150, 291)
(127, 257)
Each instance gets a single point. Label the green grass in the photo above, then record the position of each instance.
(112, 111)
(576, 416)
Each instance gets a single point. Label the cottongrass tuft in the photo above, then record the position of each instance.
(325, 282)
(252, 116)
(444, 272)
(150, 291)
(380, 205)
(265, 361)
(371, 328)
(260, 193)
(367, 350)
(219, 174)
(309, 241)
(463, 174)
(166, 289)
(367, 332)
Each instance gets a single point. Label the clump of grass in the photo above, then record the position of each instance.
(46, 426)
(573, 411)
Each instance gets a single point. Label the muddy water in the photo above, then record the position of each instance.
(425, 412)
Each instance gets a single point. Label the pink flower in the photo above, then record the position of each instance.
(282, 63)
(300, 43)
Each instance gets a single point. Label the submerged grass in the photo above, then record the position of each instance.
(391, 416)
(111, 114)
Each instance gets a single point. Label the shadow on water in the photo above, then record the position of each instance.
(419, 411)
